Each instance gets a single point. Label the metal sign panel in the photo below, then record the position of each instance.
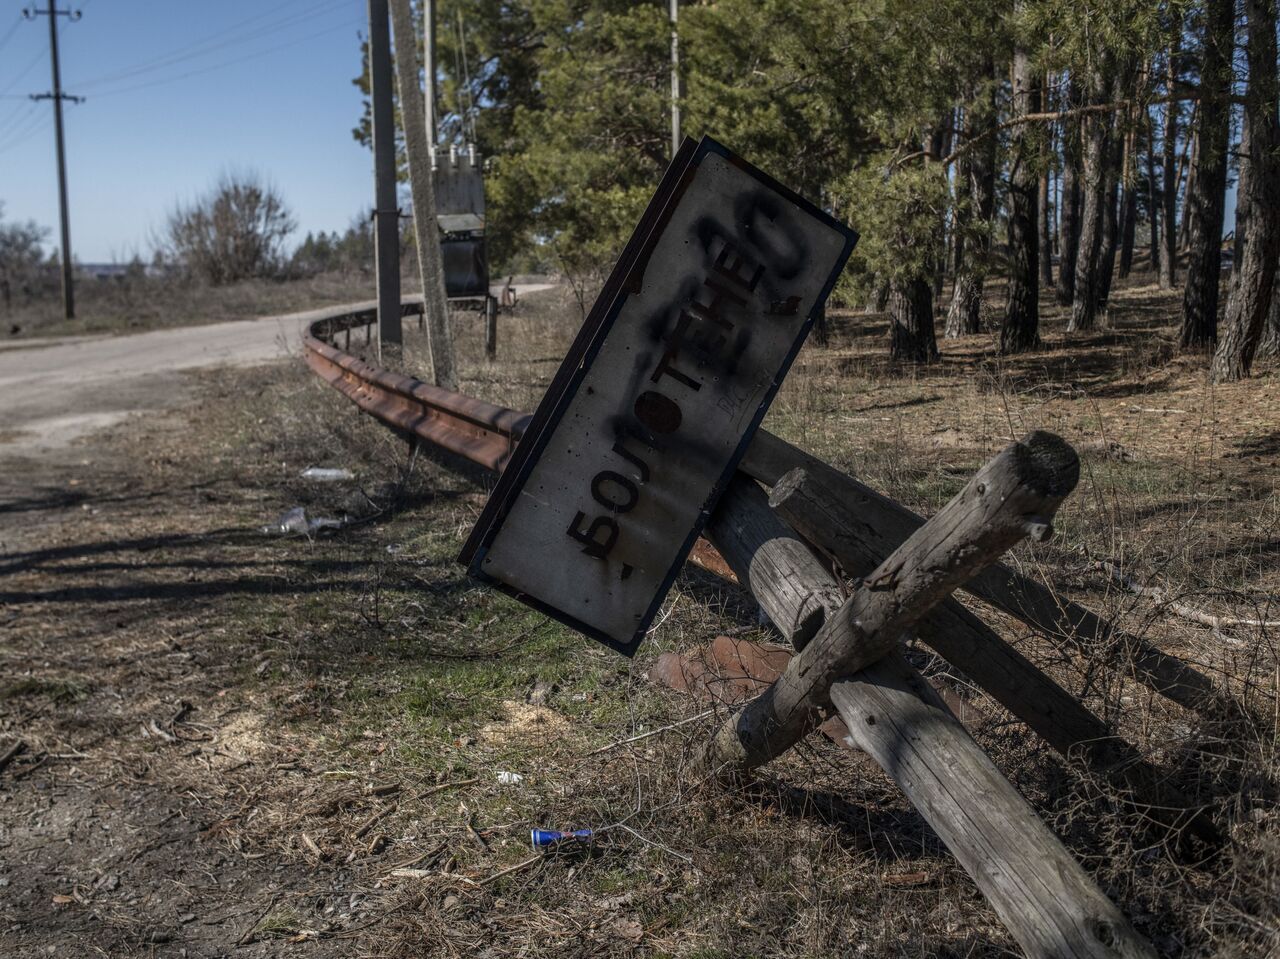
(653, 407)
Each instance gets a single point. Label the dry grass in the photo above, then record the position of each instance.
(335, 791)
(129, 305)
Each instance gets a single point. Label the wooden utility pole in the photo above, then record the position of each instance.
(419, 142)
(57, 96)
(386, 214)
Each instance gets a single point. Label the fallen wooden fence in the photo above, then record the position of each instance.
(848, 655)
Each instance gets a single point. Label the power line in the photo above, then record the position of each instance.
(12, 30)
(16, 140)
(40, 55)
(229, 36)
(164, 81)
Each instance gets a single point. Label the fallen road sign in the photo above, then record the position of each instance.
(658, 397)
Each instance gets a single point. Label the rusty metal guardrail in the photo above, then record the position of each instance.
(480, 432)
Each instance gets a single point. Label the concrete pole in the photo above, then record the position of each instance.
(429, 56)
(675, 78)
(386, 214)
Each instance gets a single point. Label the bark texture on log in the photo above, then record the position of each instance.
(889, 523)
(777, 566)
(1206, 192)
(1014, 496)
(808, 501)
(1253, 292)
(1040, 892)
(422, 187)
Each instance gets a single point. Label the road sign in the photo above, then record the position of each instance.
(655, 403)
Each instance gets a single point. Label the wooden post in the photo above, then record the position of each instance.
(490, 326)
(386, 215)
(886, 523)
(1012, 497)
(777, 566)
(973, 647)
(435, 304)
(1039, 891)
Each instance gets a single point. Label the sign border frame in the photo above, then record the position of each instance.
(581, 355)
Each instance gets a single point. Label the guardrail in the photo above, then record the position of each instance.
(480, 432)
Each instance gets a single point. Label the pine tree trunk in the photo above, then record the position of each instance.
(1128, 202)
(964, 314)
(1206, 196)
(1269, 342)
(1153, 205)
(1169, 152)
(1110, 223)
(1069, 214)
(1188, 181)
(911, 322)
(1253, 295)
(1021, 330)
(1042, 220)
(1093, 189)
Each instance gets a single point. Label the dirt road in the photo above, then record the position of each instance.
(57, 390)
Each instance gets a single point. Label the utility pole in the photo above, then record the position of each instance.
(675, 77)
(57, 96)
(429, 60)
(386, 214)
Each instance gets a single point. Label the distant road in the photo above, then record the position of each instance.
(53, 391)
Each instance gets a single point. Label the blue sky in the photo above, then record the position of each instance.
(178, 92)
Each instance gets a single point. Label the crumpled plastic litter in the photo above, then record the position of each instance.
(295, 521)
(322, 474)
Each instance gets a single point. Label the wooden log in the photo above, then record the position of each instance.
(772, 562)
(1044, 897)
(1015, 682)
(887, 523)
(1013, 496)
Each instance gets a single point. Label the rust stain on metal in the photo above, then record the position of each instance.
(480, 432)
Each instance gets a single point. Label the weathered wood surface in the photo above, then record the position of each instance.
(419, 142)
(1048, 902)
(1013, 496)
(772, 562)
(886, 523)
(1015, 682)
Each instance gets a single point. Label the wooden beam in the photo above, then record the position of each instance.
(1015, 495)
(1015, 682)
(1044, 897)
(772, 562)
(887, 523)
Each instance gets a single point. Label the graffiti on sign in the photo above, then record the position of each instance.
(654, 405)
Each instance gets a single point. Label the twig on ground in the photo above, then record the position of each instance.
(374, 820)
(442, 787)
(1160, 595)
(510, 869)
(12, 753)
(652, 732)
